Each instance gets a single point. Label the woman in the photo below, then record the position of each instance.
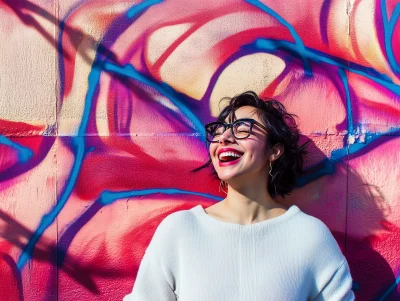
(247, 247)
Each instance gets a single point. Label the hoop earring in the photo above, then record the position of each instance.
(222, 183)
(272, 177)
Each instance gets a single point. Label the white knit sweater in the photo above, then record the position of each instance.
(196, 257)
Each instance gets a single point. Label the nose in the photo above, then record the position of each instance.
(226, 136)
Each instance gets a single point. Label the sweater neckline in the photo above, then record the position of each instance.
(292, 210)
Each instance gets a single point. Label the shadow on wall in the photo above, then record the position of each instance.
(373, 277)
(15, 234)
(75, 36)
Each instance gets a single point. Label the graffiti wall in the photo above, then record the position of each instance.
(102, 106)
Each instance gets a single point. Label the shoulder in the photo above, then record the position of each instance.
(313, 227)
(318, 240)
(169, 230)
(176, 220)
(170, 224)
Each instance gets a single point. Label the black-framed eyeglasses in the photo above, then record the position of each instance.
(240, 128)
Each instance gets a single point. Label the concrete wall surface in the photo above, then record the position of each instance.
(102, 107)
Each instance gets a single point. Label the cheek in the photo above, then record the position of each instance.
(211, 150)
(259, 158)
(256, 151)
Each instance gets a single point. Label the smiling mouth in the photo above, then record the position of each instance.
(229, 155)
(229, 159)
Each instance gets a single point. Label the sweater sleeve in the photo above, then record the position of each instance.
(151, 282)
(155, 279)
(338, 288)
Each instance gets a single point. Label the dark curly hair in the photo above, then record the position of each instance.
(282, 128)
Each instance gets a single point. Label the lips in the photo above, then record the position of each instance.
(227, 163)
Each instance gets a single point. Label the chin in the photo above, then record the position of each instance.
(230, 177)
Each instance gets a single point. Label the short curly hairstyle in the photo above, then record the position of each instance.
(282, 128)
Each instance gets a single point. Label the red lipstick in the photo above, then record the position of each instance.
(229, 162)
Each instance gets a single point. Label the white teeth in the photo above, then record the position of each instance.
(225, 154)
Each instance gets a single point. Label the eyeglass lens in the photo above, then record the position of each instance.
(241, 129)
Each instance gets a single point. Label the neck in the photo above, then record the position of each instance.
(249, 202)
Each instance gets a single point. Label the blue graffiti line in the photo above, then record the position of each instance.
(316, 56)
(108, 197)
(326, 167)
(24, 153)
(135, 10)
(371, 138)
(129, 71)
(388, 30)
(343, 76)
(390, 289)
(296, 37)
(78, 144)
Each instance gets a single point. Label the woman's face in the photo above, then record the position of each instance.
(253, 159)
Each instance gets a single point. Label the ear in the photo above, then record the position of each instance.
(277, 151)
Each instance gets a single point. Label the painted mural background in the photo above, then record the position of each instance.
(101, 111)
